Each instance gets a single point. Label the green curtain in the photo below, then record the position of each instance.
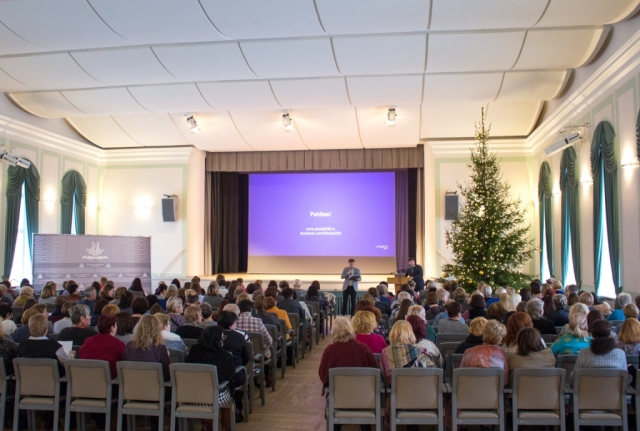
(604, 170)
(16, 177)
(569, 183)
(546, 215)
(72, 185)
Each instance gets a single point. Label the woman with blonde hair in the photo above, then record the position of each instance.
(475, 335)
(345, 351)
(629, 336)
(25, 293)
(364, 322)
(48, 294)
(117, 294)
(402, 351)
(175, 309)
(110, 310)
(576, 339)
(505, 301)
(146, 344)
(577, 308)
(213, 297)
(514, 300)
(489, 354)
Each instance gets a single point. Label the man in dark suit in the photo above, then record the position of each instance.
(415, 272)
(289, 304)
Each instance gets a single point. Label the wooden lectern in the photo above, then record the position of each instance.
(397, 282)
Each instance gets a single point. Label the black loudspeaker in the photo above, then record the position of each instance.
(170, 209)
(450, 207)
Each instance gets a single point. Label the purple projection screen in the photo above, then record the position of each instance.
(294, 216)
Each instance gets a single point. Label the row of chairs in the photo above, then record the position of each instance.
(599, 397)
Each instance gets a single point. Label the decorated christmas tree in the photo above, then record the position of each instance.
(489, 239)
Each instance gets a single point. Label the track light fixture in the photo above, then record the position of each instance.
(193, 125)
(287, 121)
(9, 157)
(391, 117)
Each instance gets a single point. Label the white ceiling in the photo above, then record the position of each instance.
(124, 72)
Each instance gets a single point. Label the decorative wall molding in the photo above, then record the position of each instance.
(27, 133)
(461, 147)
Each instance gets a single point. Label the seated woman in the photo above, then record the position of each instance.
(419, 328)
(6, 317)
(367, 303)
(147, 346)
(175, 309)
(280, 314)
(126, 301)
(516, 322)
(364, 322)
(576, 339)
(171, 340)
(210, 350)
(560, 314)
(260, 303)
(212, 297)
(418, 310)
(193, 318)
(477, 307)
(602, 351)
(531, 351)
(48, 294)
(489, 354)
(235, 344)
(475, 335)
(496, 312)
(401, 311)
(8, 350)
(104, 346)
(124, 324)
(403, 352)
(577, 308)
(139, 308)
(97, 310)
(629, 336)
(26, 292)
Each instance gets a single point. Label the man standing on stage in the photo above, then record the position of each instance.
(351, 276)
(415, 272)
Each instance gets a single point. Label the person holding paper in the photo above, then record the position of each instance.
(351, 276)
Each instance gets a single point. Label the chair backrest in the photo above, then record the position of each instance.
(273, 332)
(377, 357)
(600, 388)
(450, 338)
(385, 317)
(416, 388)
(283, 329)
(141, 381)
(448, 348)
(633, 360)
(559, 329)
(258, 342)
(294, 318)
(37, 377)
(354, 388)
(567, 362)
(456, 360)
(53, 336)
(315, 306)
(529, 383)
(189, 342)
(478, 388)
(176, 356)
(549, 338)
(88, 378)
(194, 383)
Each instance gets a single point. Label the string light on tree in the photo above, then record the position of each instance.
(489, 239)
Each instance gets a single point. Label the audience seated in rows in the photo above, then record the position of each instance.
(475, 335)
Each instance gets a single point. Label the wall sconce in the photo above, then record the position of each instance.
(630, 164)
(586, 181)
(557, 192)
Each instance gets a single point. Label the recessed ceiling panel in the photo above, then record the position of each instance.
(375, 133)
(217, 132)
(128, 66)
(450, 120)
(153, 130)
(471, 52)
(61, 25)
(328, 128)
(310, 93)
(463, 87)
(561, 13)
(513, 118)
(47, 71)
(105, 101)
(485, 14)
(559, 49)
(171, 98)
(380, 54)
(47, 104)
(263, 130)
(239, 95)
(159, 21)
(531, 86)
(373, 16)
(290, 58)
(11, 43)
(7, 83)
(385, 90)
(204, 62)
(250, 19)
(103, 131)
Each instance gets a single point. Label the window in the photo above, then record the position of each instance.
(74, 230)
(545, 273)
(606, 287)
(21, 267)
(570, 276)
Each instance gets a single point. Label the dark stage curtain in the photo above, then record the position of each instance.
(402, 218)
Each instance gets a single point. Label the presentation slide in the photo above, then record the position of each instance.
(322, 214)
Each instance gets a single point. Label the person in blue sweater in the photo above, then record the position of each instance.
(617, 314)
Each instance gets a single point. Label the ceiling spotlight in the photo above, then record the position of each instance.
(193, 125)
(391, 117)
(8, 155)
(287, 121)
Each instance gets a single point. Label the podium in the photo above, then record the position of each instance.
(397, 282)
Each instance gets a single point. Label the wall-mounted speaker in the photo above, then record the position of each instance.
(170, 209)
(450, 207)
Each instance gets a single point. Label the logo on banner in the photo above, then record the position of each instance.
(95, 252)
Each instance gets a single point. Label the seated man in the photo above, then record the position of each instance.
(79, 330)
(453, 324)
(290, 305)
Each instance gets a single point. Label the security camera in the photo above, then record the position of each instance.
(572, 137)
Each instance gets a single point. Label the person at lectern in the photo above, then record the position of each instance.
(351, 276)
(415, 272)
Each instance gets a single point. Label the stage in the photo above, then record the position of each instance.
(328, 282)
